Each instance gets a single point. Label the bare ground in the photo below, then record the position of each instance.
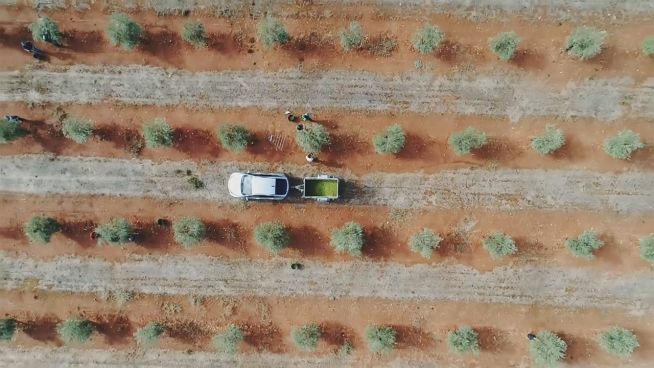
(514, 97)
(628, 192)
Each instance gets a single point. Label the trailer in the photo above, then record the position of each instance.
(322, 188)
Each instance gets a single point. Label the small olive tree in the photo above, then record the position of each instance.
(306, 337)
(390, 141)
(463, 340)
(123, 31)
(500, 245)
(234, 137)
(549, 142)
(619, 342)
(647, 248)
(648, 46)
(75, 331)
(425, 242)
(349, 238)
(463, 143)
(39, 229)
(353, 37)
(189, 231)
(312, 138)
(428, 39)
(10, 131)
(505, 45)
(7, 329)
(78, 130)
(194, 33)
(547, 349)
(272, 236)
(585, 42)
(381, 338)
(45, 29)
(623, 145)
(149, 334)
(585, 244)
(117, 231)
(272, 32)
(158, 133)
(229, 340)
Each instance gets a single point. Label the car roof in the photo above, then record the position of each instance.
(266, 185)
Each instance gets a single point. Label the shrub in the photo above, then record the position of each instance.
(584, 245)
(195, 182)
(306, 337)
(425, 242)
(346, 349)
(115, 232)
(547, 349)
(647, 248)
(380, 338)
(623, 145)
(349, 238)
(462, 143)
(500, 245)
(10, 131)
(234, 138)
(195, 34)
(158, 133)
(79, 130)
(427, 39)
(229, 340)
(75, 331)
(150, 334)
(312, 138)
(619, 342)
(504, 45)
(585, 42)
(45, 29)
(463, 340)
(272, 32)
(39, 229)
(7, 329)
(352, 38)
(272, 236)
(189, 231)
(648, 46)
(123, 31)
(548, 143)
(391, 141)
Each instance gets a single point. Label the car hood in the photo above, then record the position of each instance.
(234, 184)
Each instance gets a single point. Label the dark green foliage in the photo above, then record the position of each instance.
(349, 238)
(380, 338)
(623, 145)
(79, 130)
(391, 141)
(500, 245)
(229, 340)
(272, 236)
(647, 248)
(195, 34)
(619, 342)
(425, 242)
(158, 133)
(150, 334)
(306, 337)
(272, 32)
(648, 46)
(505, 45)
(548, 143)
(189, 231)
(585, 42)
(123, 31)
(7, 329)
(10, 131)
(547, 350)
(45, 29)
(427, 39)
(312, 138)
(584, 245)
(195, 182)
(463, 143)
(463, 340)
(352, 38)
(116, 232)
(234, 138)
(39, 229)
(75, 331)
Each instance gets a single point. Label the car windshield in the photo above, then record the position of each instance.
(246, 185)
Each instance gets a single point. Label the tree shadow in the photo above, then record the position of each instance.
(224, 43)
(309, 44)
(605, 59)
(226, 232)
(453, 244)
(12, 39)
(412, 337)
(196, 142)
(153, 236)
(336, 334)
(308, 240)
(414, 147)
(85, 41)
(79, 232)
(379, 242)
(127, 139)
(164, 44)
(449, 51)
(12, 232)
(117, 329)
(343, 147)
(579, 348)
(499, 149)
(189, 332)
(42, 329)
(264, 337)
(492, 339)
(48, 136)
(528, 59)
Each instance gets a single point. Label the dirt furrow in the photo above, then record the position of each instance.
(628, 192)
(210, 277)
(500, 96)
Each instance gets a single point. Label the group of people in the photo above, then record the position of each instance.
(311, 157)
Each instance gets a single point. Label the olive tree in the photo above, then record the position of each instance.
(149, 334)
(306, 337)
(425, 242)
(623, 145)
(123, 31)
(46, 30)
(272, 32)
(75, 331)
(39, 229)
(194, 33)
(312, 138)
(390, 141)
(158, 133)
(646, 244)
(189, 231)
(7, 329)
(353, 37)
(272, 236)
(10, 131)
(380, 338)
(549, 142)
(117, 231)
(428, 39)
(463, 340)
(585, 42)
(234, 137)
(504, 45)
(585, 244)
(500, 245)
(547, 349)
(349, 238)
(464, 142)
(77, 130)
(619, 342)
(229, 340)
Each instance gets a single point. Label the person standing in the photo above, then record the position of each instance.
(311, 157)
(289, 115)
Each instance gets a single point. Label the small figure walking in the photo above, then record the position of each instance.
(307, 117)
(289, 115)
(532, 337)
(296, 266)
(311, 157)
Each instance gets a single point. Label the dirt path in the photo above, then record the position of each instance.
(493, 189)
(500, 96)
(209, 276)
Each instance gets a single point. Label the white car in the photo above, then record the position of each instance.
(258, 186)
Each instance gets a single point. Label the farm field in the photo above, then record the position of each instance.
(495, 165)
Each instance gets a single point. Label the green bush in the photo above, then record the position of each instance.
(312, 138)
(463, 340)
(462, 143)
(10, 131)
(352, 38)
(195, 34)
(547, 349)
(648, 46)
(75, 331)
(79, 130)
(158, 133)
(39, 229)
(380, 338)
(500, 245)
(584, 245)
(115, 232)
(7, 329)
(585, 42)
(391, 141)
(45, 29)
(229, 340)
(619, 342)
(548, 143)
(123, 31)
(306, 337)
(504, 45)
(189, 231)
(272, 32)
(272, 236)
(623, 145)
(647, 248)
(234, 137)
(195, 182)
(425, 242)
(150, 334)
(427, 39)
(349, 238)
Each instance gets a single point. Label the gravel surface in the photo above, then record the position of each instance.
(503, 96)
(629, 192)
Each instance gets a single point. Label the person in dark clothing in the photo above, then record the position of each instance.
(307, 117)
(14, 119)
(531, 336)
(289, 115)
